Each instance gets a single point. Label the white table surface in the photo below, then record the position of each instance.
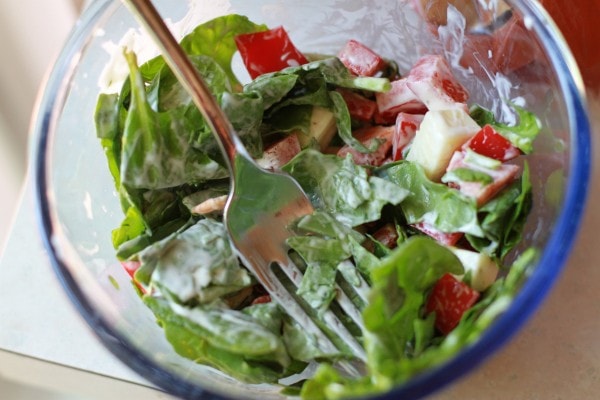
(43, 341)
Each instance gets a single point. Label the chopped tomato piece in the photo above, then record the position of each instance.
(433, 83)
(268, 51)
(131, 266)
(359, 107)
(360, 59)
(491, 144)
(279, 153)
(382, 134)
(405, 130)
(265, 298)
(400, 98)
(445, 238)
(387, 235)
(449, 299)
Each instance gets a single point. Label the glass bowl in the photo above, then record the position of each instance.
(528, 62)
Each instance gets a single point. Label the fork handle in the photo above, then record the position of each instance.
(190, 79)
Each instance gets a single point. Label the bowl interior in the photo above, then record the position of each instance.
(79, 207)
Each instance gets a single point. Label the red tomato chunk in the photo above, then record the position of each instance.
(399, 99)
(130, 267)
(359, 107)
(279, 153)
(445, 238)
(432, 81)
(407, 126)
(382, 134)
(491, 144)
(449, 299)
(360, 59)
(268, 51)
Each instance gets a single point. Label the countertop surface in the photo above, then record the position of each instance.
(555, 356)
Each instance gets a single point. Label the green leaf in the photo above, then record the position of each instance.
(503, 218)
(131, 227)
(196, 264)
(459, 175)
(342, 188)
(398, 293)
(228, 340)
(436, 204)
(157, 150)
(215, 38)
(317, 287)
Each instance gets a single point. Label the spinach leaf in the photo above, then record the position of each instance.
(459, 175)
(503, 218)
(196, 264)
(231, 341)
(398, 293)
(434, 203)
(157, 150)
(340, 187)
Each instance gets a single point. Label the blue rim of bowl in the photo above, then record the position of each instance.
(508, 324)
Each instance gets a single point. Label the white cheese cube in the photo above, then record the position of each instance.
(322, 128)
(439, 135)
(482, 269)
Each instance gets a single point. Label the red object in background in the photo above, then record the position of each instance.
(575, 19)
(268, 51)
(577, 22)
(449, 299)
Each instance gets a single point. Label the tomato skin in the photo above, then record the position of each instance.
(265, 298)
(130, 267)
(387, 235)
(366, 135)
(491, 144)
(359, 107)
(445, 238)
(406, 129)
(268, 51)
(432, 81)
(360, 59)
(279, 153)
(450, 299)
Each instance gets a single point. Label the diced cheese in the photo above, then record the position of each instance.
(482, 270)
(322, 128)
(439, 135)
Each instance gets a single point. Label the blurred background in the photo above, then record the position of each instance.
(32, 33)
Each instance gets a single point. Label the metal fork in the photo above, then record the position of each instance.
(261, 206)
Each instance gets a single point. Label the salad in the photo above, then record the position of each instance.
(419, 197)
